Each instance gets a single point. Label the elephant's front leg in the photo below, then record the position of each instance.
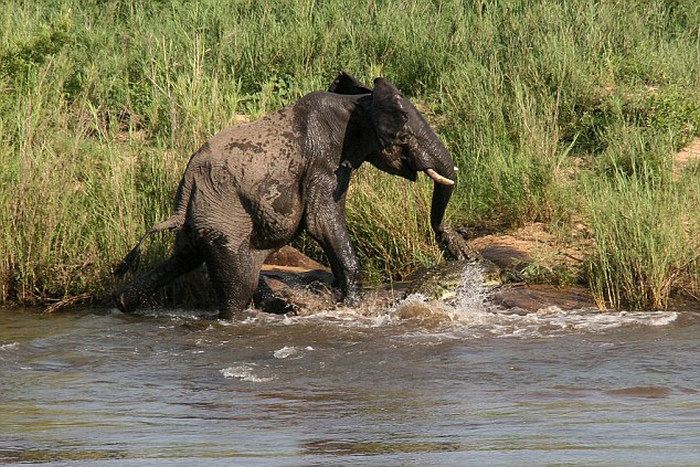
(325, 222)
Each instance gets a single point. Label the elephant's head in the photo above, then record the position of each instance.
(405, 144)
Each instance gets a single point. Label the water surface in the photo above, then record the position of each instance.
(413, 385)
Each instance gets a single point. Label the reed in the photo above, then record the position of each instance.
(645, 241)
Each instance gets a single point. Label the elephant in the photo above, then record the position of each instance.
(252, 188)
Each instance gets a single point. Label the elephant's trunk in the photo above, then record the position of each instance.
(441, 196)
(443, 174)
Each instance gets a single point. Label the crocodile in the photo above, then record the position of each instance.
(283, 292)
(440, 282)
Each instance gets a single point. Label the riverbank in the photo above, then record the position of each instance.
(563, 115)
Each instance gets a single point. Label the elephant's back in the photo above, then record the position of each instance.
(257, 168)
(258, 151)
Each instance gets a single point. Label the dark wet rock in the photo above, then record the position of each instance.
(289, 280)
(286, 289)
(506, 257)
(291, 257)
(534, 297)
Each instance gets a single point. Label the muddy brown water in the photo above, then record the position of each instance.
(415, 384)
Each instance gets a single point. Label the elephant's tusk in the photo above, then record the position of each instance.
(439, 178)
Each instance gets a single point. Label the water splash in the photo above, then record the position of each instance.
(291, 352)
(244, 373)
(10, 346)
(470, 301)
(470, 313)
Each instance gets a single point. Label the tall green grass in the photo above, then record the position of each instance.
(546, 107)
(646, 242)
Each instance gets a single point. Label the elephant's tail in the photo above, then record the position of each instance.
(176, 221)
(132, 259)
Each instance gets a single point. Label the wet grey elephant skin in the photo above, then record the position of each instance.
(252, 188)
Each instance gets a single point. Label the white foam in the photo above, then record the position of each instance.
(10, 346)
(290, 352)
(244, 373)
(176, 314)
(553, 321)
(469, 314)
(469, 303)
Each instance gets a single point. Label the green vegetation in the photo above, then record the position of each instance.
(555, 111)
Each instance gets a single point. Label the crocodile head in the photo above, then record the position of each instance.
(441, 282)
(493, 275)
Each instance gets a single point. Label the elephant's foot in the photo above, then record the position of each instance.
(352, 300)
(232, 307)
(230, 313)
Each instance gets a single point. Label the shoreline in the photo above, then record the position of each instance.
(289, 269)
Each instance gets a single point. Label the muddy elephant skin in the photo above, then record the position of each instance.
(252, 188)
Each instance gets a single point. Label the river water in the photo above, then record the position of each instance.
(416, 384)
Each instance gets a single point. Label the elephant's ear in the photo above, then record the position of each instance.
(346, 83)
(388, 111)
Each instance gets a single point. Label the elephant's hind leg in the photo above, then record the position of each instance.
(183, 260)
(234, 276)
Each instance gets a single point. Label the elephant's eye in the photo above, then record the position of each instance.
(402, 138)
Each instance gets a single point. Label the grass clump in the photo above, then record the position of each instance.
(645, 241)
(555, 111)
